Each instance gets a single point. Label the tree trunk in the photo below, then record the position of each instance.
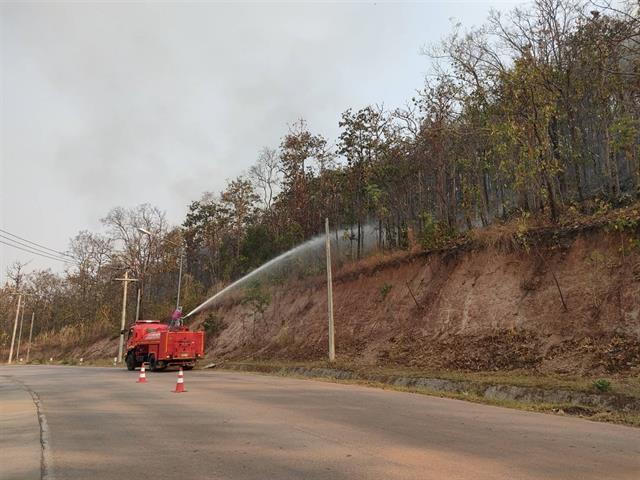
(553, 207)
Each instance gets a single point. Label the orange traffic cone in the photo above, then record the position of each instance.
(180, 384)
(143, 376)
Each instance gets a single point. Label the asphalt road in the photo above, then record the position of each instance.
(103, 425)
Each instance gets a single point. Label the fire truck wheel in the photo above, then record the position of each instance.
(187, 367)
(131, 361)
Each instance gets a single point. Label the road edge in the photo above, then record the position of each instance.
(46, 460)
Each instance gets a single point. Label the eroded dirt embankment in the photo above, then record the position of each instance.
(569, 305)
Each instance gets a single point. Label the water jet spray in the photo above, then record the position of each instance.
(369, 242)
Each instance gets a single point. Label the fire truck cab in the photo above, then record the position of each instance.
(160, 345)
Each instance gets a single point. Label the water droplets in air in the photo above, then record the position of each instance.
(306, 258)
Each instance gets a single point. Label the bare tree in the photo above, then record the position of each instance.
(265, 176)
(15, 273)
(93, 252)
(127, 227)
(139, 251)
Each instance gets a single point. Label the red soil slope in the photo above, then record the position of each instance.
(491, 308)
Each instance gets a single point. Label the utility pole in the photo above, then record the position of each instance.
(125, 283)
(20, 333)
(332, 346)
(33, 314)
(15, 328)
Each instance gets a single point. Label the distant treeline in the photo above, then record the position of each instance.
(533, 113)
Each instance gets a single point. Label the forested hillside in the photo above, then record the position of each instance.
(531, 119)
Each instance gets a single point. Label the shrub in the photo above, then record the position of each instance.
(214, 325)
(433, 233)
(602, 385)
(625, 225)
(256, 297)
(385, 289)
(522, 229)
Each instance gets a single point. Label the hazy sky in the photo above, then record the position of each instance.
(115, 104)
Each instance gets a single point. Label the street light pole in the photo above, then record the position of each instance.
(125, 283)
(138, 304)
(179, 277)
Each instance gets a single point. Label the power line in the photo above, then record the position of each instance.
(33, 248)
(34, 243)
(38, 253)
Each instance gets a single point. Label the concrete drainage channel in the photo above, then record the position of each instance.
(570, 401)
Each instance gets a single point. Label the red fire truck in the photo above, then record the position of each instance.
(160, 345)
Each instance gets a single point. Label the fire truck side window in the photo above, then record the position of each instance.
(130, 333)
